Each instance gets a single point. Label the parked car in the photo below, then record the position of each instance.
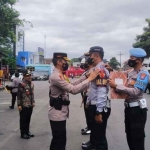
(20, 76)
(39, 76)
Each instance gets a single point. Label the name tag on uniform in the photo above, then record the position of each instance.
(118, 81)
(143, 103)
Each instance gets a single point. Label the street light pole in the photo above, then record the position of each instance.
(120, 58)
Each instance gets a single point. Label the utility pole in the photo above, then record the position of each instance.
(120, 54)
(23, 41)
(45, 46)
(14, 43)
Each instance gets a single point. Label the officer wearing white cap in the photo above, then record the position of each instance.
(97, 101)
(135, 103)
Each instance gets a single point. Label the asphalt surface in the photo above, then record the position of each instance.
(9, 124)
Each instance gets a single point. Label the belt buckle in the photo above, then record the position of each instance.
(126, 104)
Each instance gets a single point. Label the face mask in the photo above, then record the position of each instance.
(132, 63)
(90, 61)
(65, 66)
(84, 66)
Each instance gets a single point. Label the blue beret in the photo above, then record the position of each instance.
(137, 52)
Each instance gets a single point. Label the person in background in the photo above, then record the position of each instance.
(26, 103)
(14, 90)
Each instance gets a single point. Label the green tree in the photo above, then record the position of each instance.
(114, 63)
(9, 19)
(74, 60)
(143, 40)
(8, 58)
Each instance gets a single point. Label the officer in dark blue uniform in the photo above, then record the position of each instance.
(135, 103)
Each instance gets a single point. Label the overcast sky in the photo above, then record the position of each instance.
(73, 26)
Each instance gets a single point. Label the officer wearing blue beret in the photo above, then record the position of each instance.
(135, 103)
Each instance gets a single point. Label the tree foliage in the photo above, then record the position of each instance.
(9, 19)
(143, 40)
(74, 60)
(114, 63)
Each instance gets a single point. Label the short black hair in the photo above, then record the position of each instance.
(54, 60)
(17, 74)
(100, 54)
(142, 58)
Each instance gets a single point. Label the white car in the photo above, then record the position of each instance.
(20, 76)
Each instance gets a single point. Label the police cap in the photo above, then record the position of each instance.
(61, 55)
(26, 73)
(137, 52)
(94, 49)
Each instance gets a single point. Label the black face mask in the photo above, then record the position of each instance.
(132, 63)
(90, 61)
(84, 66)
(65, 66)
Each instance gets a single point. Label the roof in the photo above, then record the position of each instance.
(37, 65)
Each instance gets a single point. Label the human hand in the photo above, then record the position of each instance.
(93, 74)
(19, 108)
(112, 83)
(108, 67)
(98, 118)
(86, 106)
(33, 104)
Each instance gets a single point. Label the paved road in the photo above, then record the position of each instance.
(9, 124)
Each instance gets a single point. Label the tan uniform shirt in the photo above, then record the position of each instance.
(58, 85)
(134, 94)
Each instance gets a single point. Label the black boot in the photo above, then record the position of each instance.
(86, 143)
(30, 134)
(89, 146)
(11, 107)
(24, 135)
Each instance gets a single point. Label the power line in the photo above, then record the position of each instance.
(120, 54)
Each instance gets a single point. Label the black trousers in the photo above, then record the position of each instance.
(59, 135)
(135, 119)
(86, 112)
(14, 97)
(25, 117)
(98, 131)
(148, 87)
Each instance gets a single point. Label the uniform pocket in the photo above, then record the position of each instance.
(137, 131)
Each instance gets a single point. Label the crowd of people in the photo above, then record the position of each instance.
(94, 86)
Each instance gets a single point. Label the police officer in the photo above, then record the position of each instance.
(14, 89)
(84, 65)
(97, 101)
(135, 104)
(59, 101)
(25, 104)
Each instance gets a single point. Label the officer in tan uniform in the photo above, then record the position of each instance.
(59, 101)
(135, 103)
(25, 104)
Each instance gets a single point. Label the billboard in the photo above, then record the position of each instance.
(40, 51)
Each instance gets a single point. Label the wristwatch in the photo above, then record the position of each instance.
(98, 113)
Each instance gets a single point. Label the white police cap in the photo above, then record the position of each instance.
(137, 52)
